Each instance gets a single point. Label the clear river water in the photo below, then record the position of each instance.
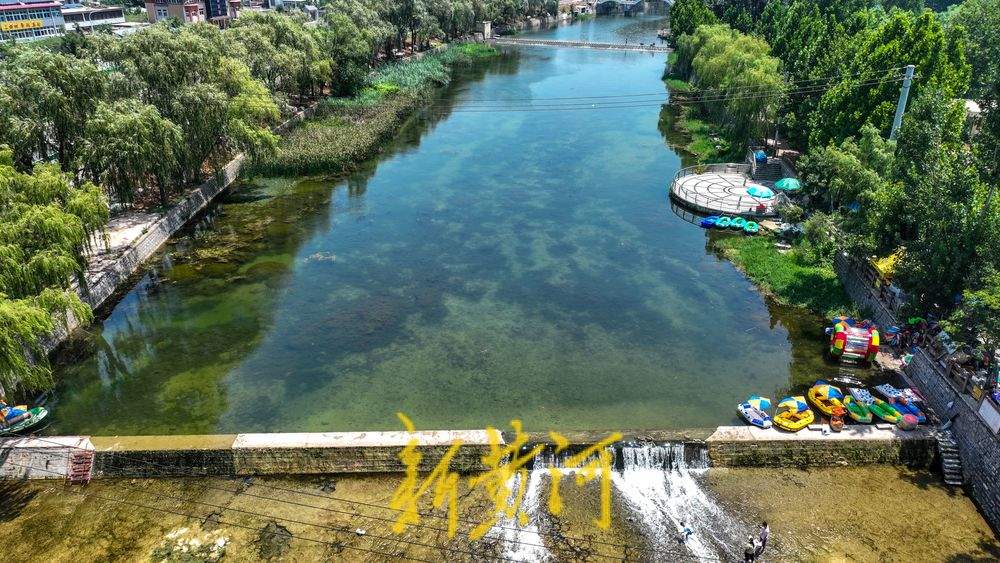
(486, 266)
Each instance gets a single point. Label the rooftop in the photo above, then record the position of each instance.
(10, 5)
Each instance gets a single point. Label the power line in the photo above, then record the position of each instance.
(274, 517)
(833, 78)
(645, 103)
(371, 505)
(227, 523)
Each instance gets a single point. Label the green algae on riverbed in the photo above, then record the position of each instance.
(877, 513)
(860, 514)
(487, 266)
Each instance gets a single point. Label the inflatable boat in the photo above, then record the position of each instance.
(826, 398)
(857, 410)
(796, 416)
(754, 411)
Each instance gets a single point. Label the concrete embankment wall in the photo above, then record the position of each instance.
(379, 452)
(978, 446)
(103, 284)
(747, 446)
(240, 454)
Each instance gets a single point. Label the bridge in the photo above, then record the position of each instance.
(648, 48)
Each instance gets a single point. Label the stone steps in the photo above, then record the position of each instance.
(951, 462)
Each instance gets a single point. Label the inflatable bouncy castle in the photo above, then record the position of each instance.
(853, 343)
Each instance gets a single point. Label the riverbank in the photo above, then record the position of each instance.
(702, 140)
(785, 276)
(346, 131)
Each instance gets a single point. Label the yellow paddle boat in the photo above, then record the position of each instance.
(795, 416)
(826, 398)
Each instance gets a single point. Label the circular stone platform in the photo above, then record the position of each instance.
(721, 192)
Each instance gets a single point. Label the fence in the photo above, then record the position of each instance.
(713, 202)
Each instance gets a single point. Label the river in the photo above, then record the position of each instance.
(488, 265)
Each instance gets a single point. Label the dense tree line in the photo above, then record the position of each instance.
(930, 194)
(738, 76)
(145, 115)
(45, 223)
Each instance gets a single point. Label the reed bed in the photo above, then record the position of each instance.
(346, 131)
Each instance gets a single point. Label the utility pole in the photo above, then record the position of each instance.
(904, 93)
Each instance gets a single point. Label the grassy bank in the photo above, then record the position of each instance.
(699, 138)
(787, 276)
(346, 131)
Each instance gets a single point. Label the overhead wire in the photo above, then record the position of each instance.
(370, 505)
(647, 103)
(826, 79)
(281, 518)
(224, 522)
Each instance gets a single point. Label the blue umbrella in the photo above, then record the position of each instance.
(762, 192)
(788, 184)
(761, 403)
(795, 404)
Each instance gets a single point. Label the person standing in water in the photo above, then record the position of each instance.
(685, 533)
(750, 553)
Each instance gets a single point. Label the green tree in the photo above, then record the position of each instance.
(46, 97)
(741, 82)
(976, 321)
(981, 22)
(686, 16)
(45, 223)
(130, 146)
(280, 52)
(863, 97)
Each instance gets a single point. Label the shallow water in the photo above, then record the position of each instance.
(488, 266)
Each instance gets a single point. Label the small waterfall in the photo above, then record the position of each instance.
(663, 485)
(525, 543)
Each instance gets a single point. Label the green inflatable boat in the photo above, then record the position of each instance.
(738, 223)
(724, 222)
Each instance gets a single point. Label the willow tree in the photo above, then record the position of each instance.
(129, 147)
(45, 224)
(739, 82)
(191, 78)
(46, 97)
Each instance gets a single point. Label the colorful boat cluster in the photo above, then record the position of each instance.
(793, 413)
(732, 223)
(853, 342)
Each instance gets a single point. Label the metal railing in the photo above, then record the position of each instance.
(745, 205)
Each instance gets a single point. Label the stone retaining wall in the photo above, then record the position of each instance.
(978, 446)
(102, 285)
(240, 454)
(742, 446)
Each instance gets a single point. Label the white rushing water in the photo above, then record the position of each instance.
(660, 485)
(525, 543)
(665, 490)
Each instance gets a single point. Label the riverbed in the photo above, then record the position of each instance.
(489, 265)
(845, 514)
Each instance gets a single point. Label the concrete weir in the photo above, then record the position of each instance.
(749, 446)
(378, 452)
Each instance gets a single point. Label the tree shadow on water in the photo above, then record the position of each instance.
(15, 496)
(989, 550)
(925, 480)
